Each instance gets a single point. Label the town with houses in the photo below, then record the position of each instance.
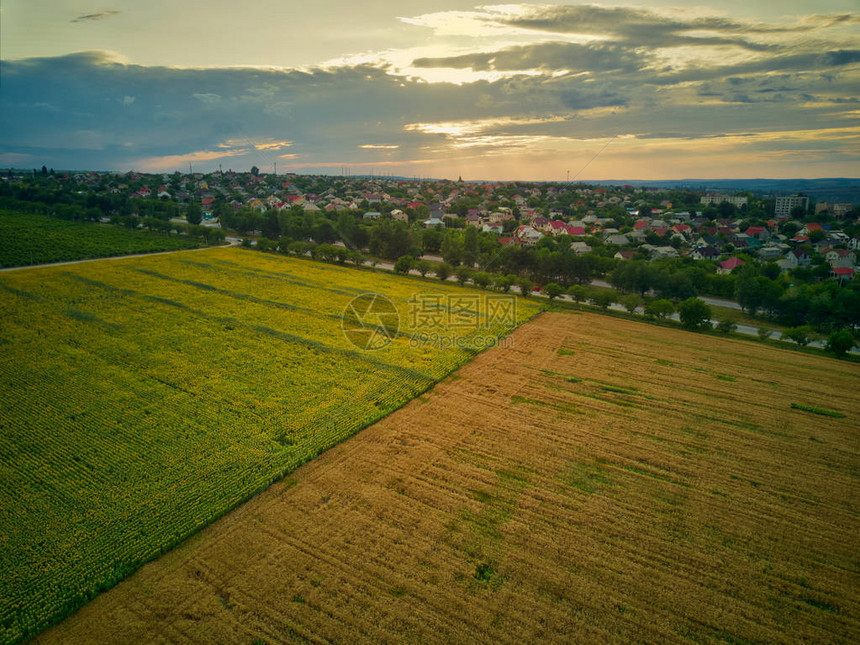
(632, 222)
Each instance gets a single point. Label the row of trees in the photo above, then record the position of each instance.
(759, 289)
(75, 212)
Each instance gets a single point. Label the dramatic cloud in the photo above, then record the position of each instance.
(594, 57)
(542, 91)
(650, 28)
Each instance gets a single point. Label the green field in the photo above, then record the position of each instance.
(142, 398)
(27, 239)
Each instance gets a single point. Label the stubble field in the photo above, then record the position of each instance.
(598, 481)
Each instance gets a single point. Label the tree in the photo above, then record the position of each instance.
(798, 212)
(443, 270)
(255, 171)
(553, 290)
(659, 309)
(577, 292)
(342, 254)
(630, 302)
(423, 267)
(726, 326)
(403, 264)
(801, 335)
(470, 246)
(452, 249)
(603, 298)
(505, 282)
(463, 274)
(771, 270)
(695, 314)
(526, 286)
(840, 342)
(764, 333)
(356, 257)
(193, 214)
(636, 276)
(817, 236)
(482, 279)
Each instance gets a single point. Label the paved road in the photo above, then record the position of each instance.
(717, 302)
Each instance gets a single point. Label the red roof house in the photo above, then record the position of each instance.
(727, 266)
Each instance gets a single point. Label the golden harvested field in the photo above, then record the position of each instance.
(599, 480)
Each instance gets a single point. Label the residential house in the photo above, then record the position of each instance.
(727, 266)
(705, 253)
(618, 240)
(474, 220)
(399, 216)
(664, 252)
(840, 258)
(768, 253)
(528, 235)
(843, 274)
(758, 232)
(556, 228)
(540, 223)
(502, 215)
(797, 258)
(809, 228)
(837, 237)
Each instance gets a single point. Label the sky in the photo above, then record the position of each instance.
(442, 88)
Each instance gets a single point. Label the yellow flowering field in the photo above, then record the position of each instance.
(144, 397)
